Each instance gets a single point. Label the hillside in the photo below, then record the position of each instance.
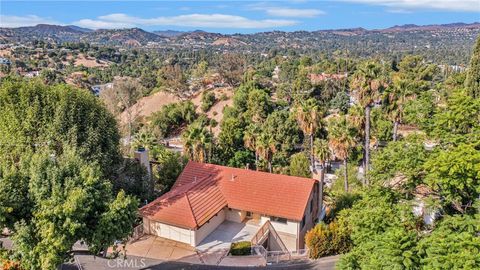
(151, 104)
(455, 40)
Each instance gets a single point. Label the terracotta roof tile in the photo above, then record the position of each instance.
(202, 190)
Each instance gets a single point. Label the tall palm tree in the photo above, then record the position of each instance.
(197, 141)
(309, 118)
(250, 139)
(395, 98)
(323, 154)
(266, 147)
(367, 85)
(341, 138)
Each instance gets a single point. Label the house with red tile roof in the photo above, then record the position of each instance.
(206, 195)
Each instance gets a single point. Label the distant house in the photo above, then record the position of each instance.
(206, 195)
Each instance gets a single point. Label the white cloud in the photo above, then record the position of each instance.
(286, 11)
(28, 20)
(293, 12)
(120, 20)
(446, 5)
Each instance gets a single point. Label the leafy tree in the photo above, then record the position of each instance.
(367, 84)
(230, 139)
(124, 93)
(403, 158)
(299, 165)
(419, 111)
(173, 80)
(173, 116)
(455, 175)
(461, 116)
(70, 201)
(232, 67)
(208, 99)
(322, 153)
(472, 83)
(35, 115)
(340, 102)
(241, 159)
(328, 239)
(454, 244)
(393, 249)
(169, 165)
(259, 105)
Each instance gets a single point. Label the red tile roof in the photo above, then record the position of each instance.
(202, 190)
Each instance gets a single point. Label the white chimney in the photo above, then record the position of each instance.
(141, 155)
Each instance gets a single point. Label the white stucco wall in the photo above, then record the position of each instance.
(289, 227)
(235, 215)
(170, 232)
(209, 227)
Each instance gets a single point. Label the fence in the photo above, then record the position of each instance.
(279, 256)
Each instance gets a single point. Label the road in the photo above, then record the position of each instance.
(89, 262)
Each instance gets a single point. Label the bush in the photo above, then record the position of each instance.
(241, 248)
(208, 99)
(325, 240)
(173, 116)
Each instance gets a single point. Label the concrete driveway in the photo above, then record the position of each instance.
(150, 246)
(226, 233)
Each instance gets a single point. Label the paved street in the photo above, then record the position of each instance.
(89, 262)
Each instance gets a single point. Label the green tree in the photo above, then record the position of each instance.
(472, 83)
(309, 118)
(341, 138)
(299, 165)
(460, 116)
(35, 115)
(455, 175)
(453, 244)
(367, 84)
(70, 201)
(208, 99)
(403, 158)
(197, 143)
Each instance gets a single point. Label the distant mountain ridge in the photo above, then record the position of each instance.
(140, 37)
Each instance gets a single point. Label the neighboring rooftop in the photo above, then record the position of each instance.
(202, 190)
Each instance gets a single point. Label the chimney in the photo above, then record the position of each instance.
(141, 155)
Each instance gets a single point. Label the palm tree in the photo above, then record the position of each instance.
(250, 138)
(395, 98)
(266, 147)
(367, 84)
(196, 141)
(309, 117)
(341, 138)
(322, 153)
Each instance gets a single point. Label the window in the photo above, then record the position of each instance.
(278, 219)
(302, 223)
(311, 206)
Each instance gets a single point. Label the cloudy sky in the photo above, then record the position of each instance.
(238, 16)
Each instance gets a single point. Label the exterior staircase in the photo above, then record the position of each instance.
(268, 232)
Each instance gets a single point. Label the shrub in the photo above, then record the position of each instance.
(325, 240)
(241, 248)
(208, 99)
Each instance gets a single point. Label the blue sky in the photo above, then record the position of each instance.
(239, 16)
